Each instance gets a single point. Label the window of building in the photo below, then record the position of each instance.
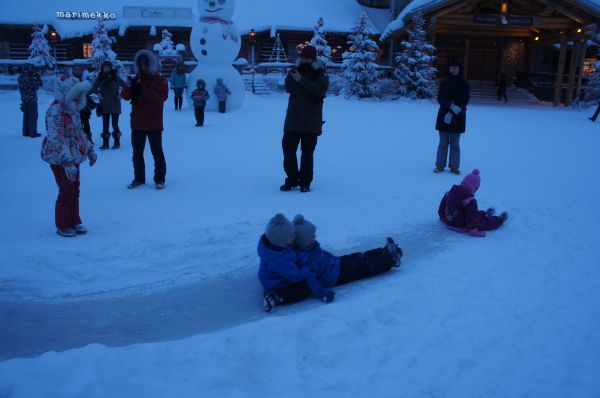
(88, 50)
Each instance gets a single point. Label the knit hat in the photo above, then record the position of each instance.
(309, 52)
(279, 230)
(472, 181)
(305, 232)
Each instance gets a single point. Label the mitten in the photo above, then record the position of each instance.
(448, 118)
(71, 172)
(455, 109)
(92, 158)
(476, 233)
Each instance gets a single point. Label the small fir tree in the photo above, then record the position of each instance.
(166, 44)
(414, 63)
(320, 43)
(40, 50)
(102, 49)
(360, 69)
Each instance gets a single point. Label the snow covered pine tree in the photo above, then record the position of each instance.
(102, 50)
(414, 64)
(592, 87)
(318, 41)
(360, 69)
(40, 50)
(166, 44)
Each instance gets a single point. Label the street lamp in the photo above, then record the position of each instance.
(252, 42)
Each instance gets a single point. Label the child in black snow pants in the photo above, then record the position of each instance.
(199, 98)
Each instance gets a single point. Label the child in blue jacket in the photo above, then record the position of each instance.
(283, 280)
(199, 97)
(331, 270)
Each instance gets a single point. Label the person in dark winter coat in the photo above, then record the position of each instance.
(502, 87)
(178, 84)
(222, 92)
(147, 91)
(108, 85)
(86, 112)
(30, 82)
(283, 280)
(453, 98)
(199, 97)
(458, 209)
(307, 85)
(331, 270)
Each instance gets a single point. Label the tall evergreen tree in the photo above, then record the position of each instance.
(360, 69)
(414, 63)
(40, 50)
(102, 49)
(320, 43)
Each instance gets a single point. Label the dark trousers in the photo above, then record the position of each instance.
(293, 293)
(85, 123)
(451, 140)
(105, 121)
(178, 97)
(596, 113)
(502, 93)
(222, 106)
(199, 113)
(489, 223)
(66, 211)
(357, 266)
(30, 117)
(138, 142)
(308, 143)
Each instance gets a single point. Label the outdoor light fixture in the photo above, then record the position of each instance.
(252, 34)
(579, 30)
(504, 8)
(537, 38)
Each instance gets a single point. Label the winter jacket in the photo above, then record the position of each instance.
(66, 142)
(108, 85)
(221, 91)
(453, 91)
(324, 265)
(279, 269)
(458, 209)
(305, 105)
(29, 83)
(147, 97)
(178, 80)
(199, 97)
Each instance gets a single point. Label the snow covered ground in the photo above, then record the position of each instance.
(161, 297)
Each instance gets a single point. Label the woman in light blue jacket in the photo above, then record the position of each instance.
(178, 84)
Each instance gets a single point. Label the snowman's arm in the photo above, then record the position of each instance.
(157, 92)
(318, 87)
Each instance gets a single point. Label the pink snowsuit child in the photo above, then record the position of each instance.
(458, 209)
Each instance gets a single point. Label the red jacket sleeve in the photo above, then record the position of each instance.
(126, 93)
(472, 215)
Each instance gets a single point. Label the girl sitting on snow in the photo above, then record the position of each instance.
(331, 270)
(283, 280)
(458, 209)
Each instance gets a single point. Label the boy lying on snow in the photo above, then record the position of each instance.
(293, 265)
(458, 209)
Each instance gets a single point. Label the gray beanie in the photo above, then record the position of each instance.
(305, 232)
(279, 229)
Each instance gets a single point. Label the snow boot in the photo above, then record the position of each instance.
(304, 189)
(287, 187)
(504, 217)
(105, 138)
(394, 250)
(490, 212)
(80, 229)
(134, 184)
(66, 232)
(117, 138)
(438, 169)
(160, 185)
(455, 171)
(270, 301)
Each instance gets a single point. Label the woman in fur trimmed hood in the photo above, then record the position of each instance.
(65, 148)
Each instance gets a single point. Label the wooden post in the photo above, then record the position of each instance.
(466, 59)
(580, 68)
(560, 70)
(572, 65)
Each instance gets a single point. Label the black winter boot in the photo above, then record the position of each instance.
(105, 138)
(117, 138)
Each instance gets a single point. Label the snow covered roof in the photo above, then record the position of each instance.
(416, 6)
(261, 15)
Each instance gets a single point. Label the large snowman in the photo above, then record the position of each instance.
(215, 42)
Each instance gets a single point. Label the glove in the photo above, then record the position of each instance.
(92, 158)
(71, 172)
(328, 296)
(476, 233)
(448, 118)
(455, 109)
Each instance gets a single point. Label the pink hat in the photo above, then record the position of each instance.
(472, 181)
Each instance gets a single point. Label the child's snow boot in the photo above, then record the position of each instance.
(394, 250)
(490, 212)
(270, 301)
(504, 217)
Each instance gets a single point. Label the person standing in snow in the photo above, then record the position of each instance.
(199, 97)
(307, 85)
(331, 270)
(459, 211)
(86, 112)
(107, 85)
(65, 148)
(30, 82)
(453, 97)
(283, 280)
(222, 92)
(178, 84)
(148, 91)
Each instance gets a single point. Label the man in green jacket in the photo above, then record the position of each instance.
(307, 85)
